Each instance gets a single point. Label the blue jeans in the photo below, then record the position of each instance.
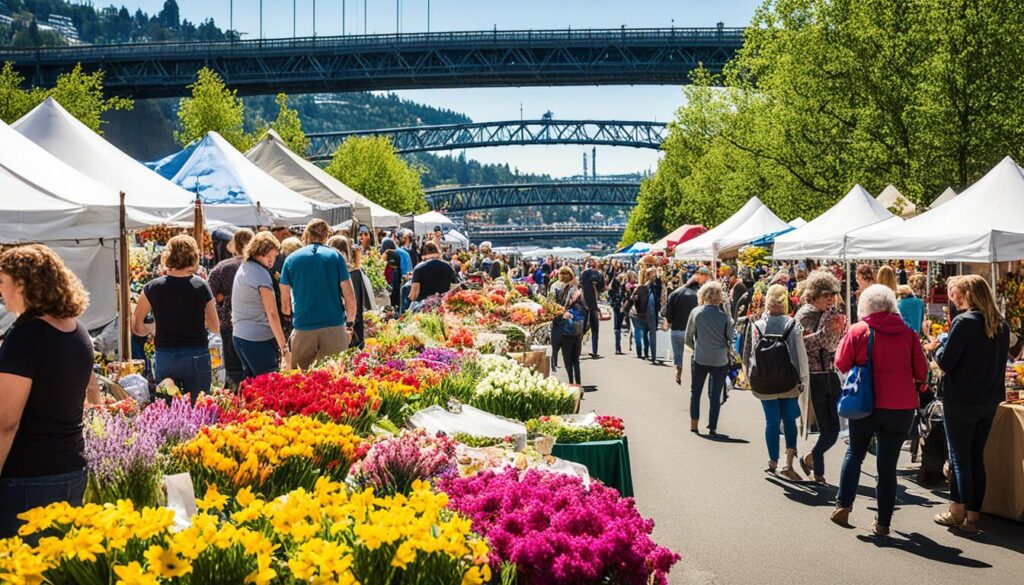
(257, 357)
(189, 367)
(642, 337)
(784, 412)
(825, 390)
(652, 332)
(890, 428)
(678, 337)
(967, 427)
(698, 375)
(20, 494)
(617, 325)
(594, 322)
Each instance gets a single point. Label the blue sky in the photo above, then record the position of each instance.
(605, 102)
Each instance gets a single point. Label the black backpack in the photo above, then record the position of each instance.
(641, 302)
(772, 371)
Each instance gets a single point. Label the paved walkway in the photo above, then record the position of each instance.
(734, 524)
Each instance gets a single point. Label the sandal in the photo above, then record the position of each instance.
(841, 516)
(968, 527)
(949, 519)
(807, 467)
(790, 474)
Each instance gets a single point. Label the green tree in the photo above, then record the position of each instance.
(212, 107)
(370, 166)
(80, 93)
(289, 126)
(827, 93)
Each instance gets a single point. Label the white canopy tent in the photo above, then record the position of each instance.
(761, 223)
(701, 247)
(426, 222)
(45, 200)
(298, 174)
(985, 223)
(232, 188)
(945, 197)
(891, 198)
(51, 126)
(456, 238)
(798, 222)
(823, 236)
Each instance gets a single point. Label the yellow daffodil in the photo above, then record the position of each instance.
(134, 574)
(166, 563)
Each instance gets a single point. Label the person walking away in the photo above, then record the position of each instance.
(911, 308)
(593, 284)
(617, 294)
(361, 286)
(864, 276)
(655, 286)
(638, 306)
(183, 310)
(46, 374)
(678, 307)
(823, 328)
(887, 276)
(433, 276)
(898, 367)
(973, 360)
(779, 373)
(222, 279)
(737, 290)
(309, 290)
(709, 333)
(393, 271)
(259, 337)
(566, 292)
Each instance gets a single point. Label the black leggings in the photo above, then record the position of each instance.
(572, 346)
(967, 429)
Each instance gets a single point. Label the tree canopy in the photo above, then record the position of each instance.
(289, 126)
(371, 167)
(212, 107)
(923, 94)
(80, 93)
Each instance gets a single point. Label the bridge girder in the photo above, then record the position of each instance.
(634, 134)
(478, 197)
(401, 61)
(544, 232)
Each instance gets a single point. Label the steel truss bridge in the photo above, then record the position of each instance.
(395, 61)
(507, 133)
(478, 197)
(567, 231)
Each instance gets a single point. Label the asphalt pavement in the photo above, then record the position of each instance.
(734, 524)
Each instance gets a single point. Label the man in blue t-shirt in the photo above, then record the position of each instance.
(310, 283)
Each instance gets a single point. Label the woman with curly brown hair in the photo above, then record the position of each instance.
(183, 309)
(46, 374)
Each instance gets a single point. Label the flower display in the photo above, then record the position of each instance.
(603, 428)
(392, 465)
(269, 454)
(127, 455)
(320, 535)
(512, 390)
(316, 392)
(556, 531)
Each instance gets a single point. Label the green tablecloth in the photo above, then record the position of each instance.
(605, 460)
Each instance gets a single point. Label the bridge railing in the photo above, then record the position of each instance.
(697, 35)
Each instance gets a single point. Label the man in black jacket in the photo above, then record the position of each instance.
(680, 303)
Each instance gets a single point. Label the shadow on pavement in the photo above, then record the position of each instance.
(806, 493)
(720, 438)
(922, 546)
(996, 531)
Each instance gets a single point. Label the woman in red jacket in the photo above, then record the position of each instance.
(898, 365)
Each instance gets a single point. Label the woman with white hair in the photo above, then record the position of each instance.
(899, 369)
(776, 382)
(709, 333)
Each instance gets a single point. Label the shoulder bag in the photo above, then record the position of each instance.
(857, 400)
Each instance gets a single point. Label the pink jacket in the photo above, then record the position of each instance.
(898, 362)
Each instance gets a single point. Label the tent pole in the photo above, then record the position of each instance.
(197, 226)
(123, 301)
(849, 313)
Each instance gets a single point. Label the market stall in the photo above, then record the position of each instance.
(701, 247)
(760, 223)
(823, 236)
(679, 235)
(273, 156)
(1004, 492)
(426, 222)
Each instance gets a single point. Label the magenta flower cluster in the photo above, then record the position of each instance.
(557, 532)
(392, 465)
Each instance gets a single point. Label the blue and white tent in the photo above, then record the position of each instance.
(233, 189)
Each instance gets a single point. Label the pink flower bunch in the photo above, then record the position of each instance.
(558, 532)
(392, 465)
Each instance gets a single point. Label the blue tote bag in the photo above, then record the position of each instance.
(858, 397)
